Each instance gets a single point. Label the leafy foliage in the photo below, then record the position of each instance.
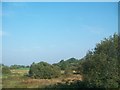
(44, 70)
(100, 67)
(71, 63)
(5, 70)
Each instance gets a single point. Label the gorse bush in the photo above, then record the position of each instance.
(44, 70)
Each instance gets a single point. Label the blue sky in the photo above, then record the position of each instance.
(34, 32)
(0, 32)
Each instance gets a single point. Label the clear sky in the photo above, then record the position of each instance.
(0, 32)
(34, 32)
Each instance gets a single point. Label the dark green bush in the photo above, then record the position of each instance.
(100, 67)
(44, 70)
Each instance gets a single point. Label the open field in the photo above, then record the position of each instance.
(21, 71)
(18, 80)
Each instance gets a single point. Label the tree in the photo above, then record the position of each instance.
(100, 67)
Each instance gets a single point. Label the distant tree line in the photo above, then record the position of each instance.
(18, 66)
(71, 63)
(6, 69)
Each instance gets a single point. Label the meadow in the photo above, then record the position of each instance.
(19, 79)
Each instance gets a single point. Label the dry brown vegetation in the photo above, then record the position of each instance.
(18, 80)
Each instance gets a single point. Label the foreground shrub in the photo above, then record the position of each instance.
(44, 70)
(100, 67)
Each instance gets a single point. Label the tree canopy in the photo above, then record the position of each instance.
(100, 66)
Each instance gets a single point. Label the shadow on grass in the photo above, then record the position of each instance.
(77, 85)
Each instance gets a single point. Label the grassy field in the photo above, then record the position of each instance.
(18, 79)
(21, 71)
